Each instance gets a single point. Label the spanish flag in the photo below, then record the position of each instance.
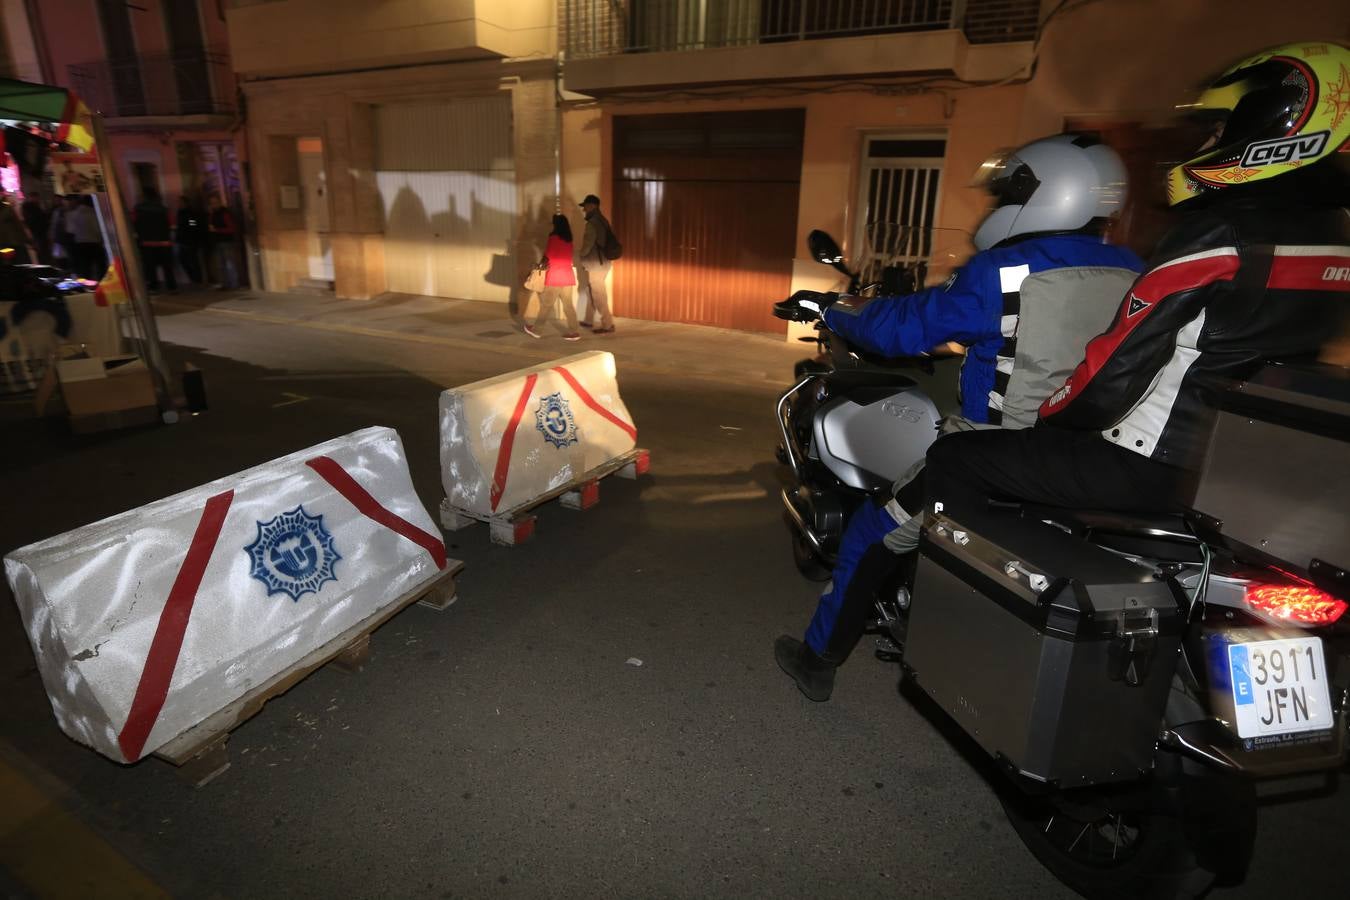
(75, 128)
(112, 289)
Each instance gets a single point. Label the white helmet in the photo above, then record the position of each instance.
(1056, 184)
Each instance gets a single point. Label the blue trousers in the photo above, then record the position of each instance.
(866, 529)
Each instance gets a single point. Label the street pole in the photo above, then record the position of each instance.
(131, 268)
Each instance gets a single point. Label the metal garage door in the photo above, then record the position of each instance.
(447, 182)
(706, 207)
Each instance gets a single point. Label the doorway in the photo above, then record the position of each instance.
(314, 190)
(705, 205)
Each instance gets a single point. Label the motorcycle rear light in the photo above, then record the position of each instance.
(1298, 603)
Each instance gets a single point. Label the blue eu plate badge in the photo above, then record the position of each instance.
(293, 554)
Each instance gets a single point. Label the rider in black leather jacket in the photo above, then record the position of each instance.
(1259, 269)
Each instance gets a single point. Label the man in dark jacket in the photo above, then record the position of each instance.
(224, 244)
(595, 265)
(191, 235)
(1259, 269)
(155, 237)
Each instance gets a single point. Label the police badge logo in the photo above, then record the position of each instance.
(554, 421)
(293, 554)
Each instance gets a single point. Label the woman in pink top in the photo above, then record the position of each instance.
(558, 282)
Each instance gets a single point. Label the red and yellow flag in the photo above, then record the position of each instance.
(113, 288)
(75, 128)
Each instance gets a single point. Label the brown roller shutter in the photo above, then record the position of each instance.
(706, 207)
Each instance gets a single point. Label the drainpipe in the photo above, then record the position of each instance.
(558, 144)
(39, 35)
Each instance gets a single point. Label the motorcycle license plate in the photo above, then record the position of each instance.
(1279, 687)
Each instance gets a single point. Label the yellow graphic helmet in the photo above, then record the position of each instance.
(1271, 114)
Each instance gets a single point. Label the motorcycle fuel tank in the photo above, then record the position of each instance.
(876, 433)
(1056, 656)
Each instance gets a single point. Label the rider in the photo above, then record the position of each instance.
(1053, 200)
(1257, 270)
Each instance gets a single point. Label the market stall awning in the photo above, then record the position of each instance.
(24, 101)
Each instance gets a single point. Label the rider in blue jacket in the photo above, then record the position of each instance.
(1053, 200)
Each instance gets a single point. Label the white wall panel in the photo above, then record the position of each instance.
(447, 183)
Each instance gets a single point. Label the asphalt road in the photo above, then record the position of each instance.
(505, 746)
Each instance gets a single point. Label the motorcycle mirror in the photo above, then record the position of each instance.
(826, 250)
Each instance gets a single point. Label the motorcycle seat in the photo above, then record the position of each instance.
(1159, 535)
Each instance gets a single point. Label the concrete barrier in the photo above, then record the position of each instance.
(148, 622)
(511, 439)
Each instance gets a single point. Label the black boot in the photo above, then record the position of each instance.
(813, 674)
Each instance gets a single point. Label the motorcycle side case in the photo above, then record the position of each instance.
(1056, 656)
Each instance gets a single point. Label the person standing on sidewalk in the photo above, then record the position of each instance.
(558, 281)
(155, 237)
(224, 244)
(191, 235)
(91, 261)
(62, 232)
(599, 248)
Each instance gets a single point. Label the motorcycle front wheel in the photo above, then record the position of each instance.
(807, 561)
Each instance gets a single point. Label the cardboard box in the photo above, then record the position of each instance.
(101, 385)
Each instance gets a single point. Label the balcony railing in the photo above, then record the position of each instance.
(609, 27)
(197, 82)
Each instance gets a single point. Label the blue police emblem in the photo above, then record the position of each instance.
(554, 421)
(293, 554)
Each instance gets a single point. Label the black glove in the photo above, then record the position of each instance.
(804, 306)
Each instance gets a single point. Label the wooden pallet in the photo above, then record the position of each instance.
(201, 753)
(517, 525)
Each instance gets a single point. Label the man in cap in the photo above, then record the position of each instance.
(595, 264)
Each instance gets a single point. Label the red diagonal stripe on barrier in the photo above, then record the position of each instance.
(371, 508)
(593, 403)
(508, 439)
(173, 619)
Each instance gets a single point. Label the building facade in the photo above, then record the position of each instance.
(422, 147)
(721, 134)
(400, 147)
(159, 73)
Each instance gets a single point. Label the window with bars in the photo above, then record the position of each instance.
(899, 184)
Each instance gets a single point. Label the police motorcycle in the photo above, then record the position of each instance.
(851, 425)
(1131, 678)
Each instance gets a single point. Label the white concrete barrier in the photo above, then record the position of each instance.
(510, 439)
(148, 622)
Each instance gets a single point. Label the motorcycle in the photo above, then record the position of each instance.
(851, 425)
(1131, 678)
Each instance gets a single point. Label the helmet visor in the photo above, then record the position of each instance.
(1007, 178)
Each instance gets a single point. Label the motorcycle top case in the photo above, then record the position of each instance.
(1055, 655)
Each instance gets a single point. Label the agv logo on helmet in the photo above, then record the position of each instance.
(1286, 150)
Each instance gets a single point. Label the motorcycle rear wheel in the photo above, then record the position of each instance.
(1127, 851)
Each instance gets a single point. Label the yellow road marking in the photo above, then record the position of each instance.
(294, 398)
(54, 855)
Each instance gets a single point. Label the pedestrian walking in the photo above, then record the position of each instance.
(62, 234)
(559, 280)
(91, 261)
(224, 244)
(191, 235)
(155, 237)
(35, 216)
(599, 249)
